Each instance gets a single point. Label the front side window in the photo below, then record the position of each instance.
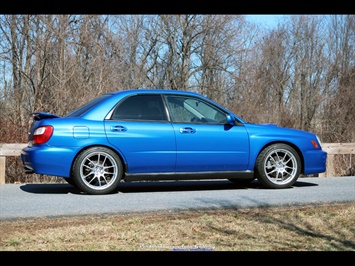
(184, 109)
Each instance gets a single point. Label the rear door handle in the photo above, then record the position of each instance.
(118, 128)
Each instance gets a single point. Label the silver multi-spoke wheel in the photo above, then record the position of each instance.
(97, 170)
(278, 166)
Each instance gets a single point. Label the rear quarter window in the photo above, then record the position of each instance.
(86, 107)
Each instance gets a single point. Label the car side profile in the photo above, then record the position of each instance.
(156, 134)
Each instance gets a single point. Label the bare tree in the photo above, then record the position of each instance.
(16, 52)
(339, 111)
(219, 48)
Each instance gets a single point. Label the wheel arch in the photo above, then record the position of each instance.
(295, 147)
(124, 164)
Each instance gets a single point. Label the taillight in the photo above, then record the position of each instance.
(42, 134)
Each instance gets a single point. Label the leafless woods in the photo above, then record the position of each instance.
(300, 74)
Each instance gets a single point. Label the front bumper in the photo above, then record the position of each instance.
(315, 162)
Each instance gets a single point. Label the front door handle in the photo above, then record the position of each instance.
(187, 130)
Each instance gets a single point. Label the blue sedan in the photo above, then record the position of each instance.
(141, 135)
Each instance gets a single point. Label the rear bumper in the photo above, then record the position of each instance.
(47, 160)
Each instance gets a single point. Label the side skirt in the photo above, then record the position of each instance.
(173, 176)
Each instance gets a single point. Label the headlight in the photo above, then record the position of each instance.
(320, 143)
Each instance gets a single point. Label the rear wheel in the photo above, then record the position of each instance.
(97, 171)
(278, 166)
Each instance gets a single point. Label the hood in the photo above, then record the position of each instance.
(268, 125)
(268, 129)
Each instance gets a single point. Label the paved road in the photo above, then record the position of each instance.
(53, 200)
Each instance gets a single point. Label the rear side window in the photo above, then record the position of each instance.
(141, 107)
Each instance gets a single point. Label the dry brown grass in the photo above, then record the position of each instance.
(308, 228)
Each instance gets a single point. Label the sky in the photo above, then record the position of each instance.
(267, 20)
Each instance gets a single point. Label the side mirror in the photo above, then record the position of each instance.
(230, 120)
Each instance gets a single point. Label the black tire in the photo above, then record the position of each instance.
(278, 166)
(241, 182)
(97, 171)
(70, 181)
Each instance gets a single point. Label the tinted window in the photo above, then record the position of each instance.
(84, 108)
(184, 109)
(141, 107)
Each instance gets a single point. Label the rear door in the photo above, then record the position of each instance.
(139, 129)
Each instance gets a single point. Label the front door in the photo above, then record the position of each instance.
(204, 140)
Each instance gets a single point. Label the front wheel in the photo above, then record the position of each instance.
(278, 166)
(70, 181)
(97, 171)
